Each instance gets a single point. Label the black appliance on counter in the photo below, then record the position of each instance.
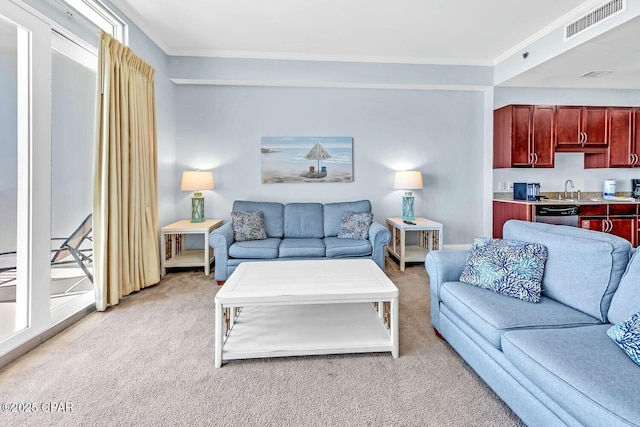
(526, 191)
(558, 214)
(635, 188)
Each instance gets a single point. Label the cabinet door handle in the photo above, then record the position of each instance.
(610, 228)
(586, 138)
(531, 161)
(634, 161)
(535, 158)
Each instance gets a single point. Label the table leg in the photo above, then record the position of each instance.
(402, 249)
(395, 330)
(163, 257)
(218, 339)
(207, 264)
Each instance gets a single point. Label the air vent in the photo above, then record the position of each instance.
(596, 74)
(594, 17)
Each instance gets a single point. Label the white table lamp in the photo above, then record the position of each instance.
(408, 180)
(197, 181)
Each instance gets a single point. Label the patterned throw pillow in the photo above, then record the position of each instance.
(248, 226)
(508, 267)
(627, 335)
(355, 225)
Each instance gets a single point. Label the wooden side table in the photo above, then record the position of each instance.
(430, 236)
(173, 241)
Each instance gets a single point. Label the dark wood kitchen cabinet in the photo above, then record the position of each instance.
(581, 128)
(624, 141)
(504, 211)
(618, 219)
(523, 136)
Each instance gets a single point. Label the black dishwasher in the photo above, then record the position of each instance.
(558, 214)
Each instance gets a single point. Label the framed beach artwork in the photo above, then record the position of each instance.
(306, 159)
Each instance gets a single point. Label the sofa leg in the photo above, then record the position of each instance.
(220, 282)
(438, 334)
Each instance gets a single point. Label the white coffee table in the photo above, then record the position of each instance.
(306, 307)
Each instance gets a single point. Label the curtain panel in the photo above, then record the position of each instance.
(125, 204)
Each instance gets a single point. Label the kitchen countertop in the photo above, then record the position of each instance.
(586, 199)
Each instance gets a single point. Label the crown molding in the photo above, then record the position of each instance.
(389, 86)
(329, 58)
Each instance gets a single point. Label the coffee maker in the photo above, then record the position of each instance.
(635, 188)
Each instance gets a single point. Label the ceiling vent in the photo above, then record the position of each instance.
(594, 17)
(596, 74)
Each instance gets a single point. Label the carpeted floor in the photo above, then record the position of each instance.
(149, 362)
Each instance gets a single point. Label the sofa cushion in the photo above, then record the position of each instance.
(627, 335)
(303, 220)
(248, 226)
(626, 300)
(509, 267)
(355, 225)
(491, 314)
(581, 369)
(292, 247)
(272, 213)
(583, 267)
(337, 248)
(255, 249)
(334, 212)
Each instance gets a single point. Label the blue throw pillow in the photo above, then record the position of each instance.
(355, 225)
(508, 267)
(248, 226)
(627, 335)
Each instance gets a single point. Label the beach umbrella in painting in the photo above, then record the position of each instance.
(318, 152)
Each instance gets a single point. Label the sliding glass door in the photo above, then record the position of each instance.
(73, 103)
(13, 314)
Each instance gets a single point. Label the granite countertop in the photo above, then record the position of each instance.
(586, 198)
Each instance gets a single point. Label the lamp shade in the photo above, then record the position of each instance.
(197, 181)
(407, 180)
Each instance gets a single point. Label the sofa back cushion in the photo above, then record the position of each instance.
(333, 213)
(583, 267)
(303, 220)
(272, 213)
(626, 300)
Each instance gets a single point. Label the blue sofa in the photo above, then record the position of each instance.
(551, 362)
(297, 231)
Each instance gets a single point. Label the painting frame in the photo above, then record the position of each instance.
(306, 159)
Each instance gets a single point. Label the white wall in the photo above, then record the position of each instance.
(437, 132)
(567, 165)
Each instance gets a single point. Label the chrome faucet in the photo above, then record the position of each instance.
(565, 188)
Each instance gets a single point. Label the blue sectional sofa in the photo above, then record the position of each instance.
(297, 231)
(551, 362)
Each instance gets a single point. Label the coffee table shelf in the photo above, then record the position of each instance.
(306, 330)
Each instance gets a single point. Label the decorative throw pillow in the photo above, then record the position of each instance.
(355, 225)
(508, 267)
(627, 335)
(248, 226)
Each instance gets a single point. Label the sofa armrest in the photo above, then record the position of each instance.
(379, 236)
(220, 240)
(442, 266)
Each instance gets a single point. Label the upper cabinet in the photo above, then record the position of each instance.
(581, 129)
(530, 135)
(624, 141)
(523, 136)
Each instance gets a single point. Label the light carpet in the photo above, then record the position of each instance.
(149, 362)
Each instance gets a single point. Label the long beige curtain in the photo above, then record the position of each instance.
(125, 201)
